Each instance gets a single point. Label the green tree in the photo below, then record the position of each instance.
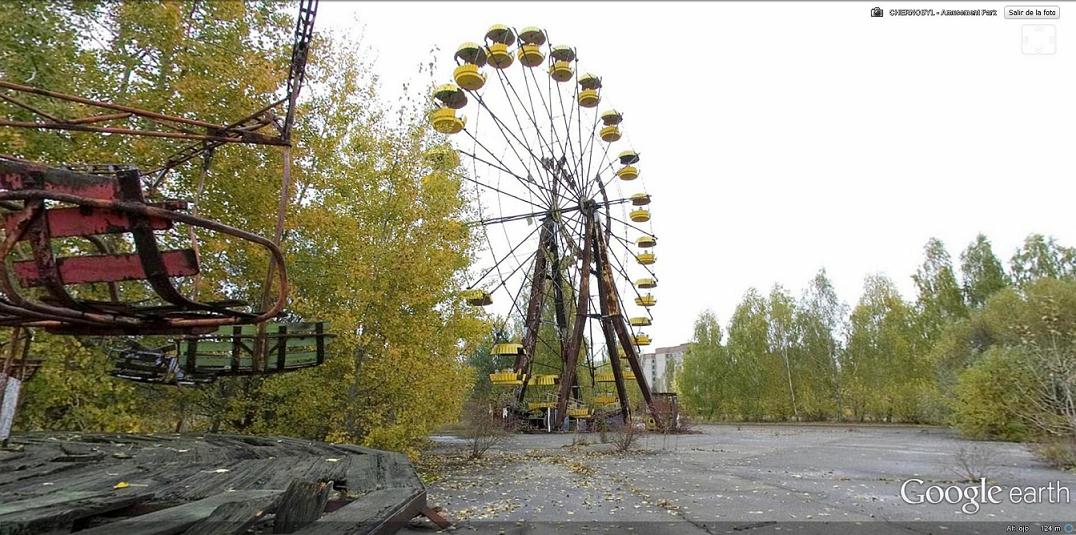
(705, 379)
(756, 378)
(822, 320)
(784, 339)
(884, 376)
(940, 299)
(982, 272)
(1042, 257)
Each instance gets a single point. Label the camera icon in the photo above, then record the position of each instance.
(1038, 39)
(876, 12)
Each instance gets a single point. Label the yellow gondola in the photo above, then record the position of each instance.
(442, 157)
(628, 374)
(646, 241)
(580, 412)
(641, 339)
(588, 94)
(541, 405)
(604, 377)
(606, 398)
(506, 377)
(507, 349)
(612, 117)
(628, 172)
(610, 133)
(640, 321)
(445, 121)
(477, 297)
(640, 199)
(560, 69)
(646, 259)
(641, 215)
(468, 77)
(472, 57)
(544, 380)
(647, 300)
(646, 283)
(500, 38)
(628, 157)
(530, 48)
(450, 96)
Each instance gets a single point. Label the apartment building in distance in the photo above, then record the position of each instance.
(660, 366)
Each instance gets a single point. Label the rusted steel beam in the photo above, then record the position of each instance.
(616, 319)
(105, 268)
(571, 357)
(106, 105)
(533, 321)
(98, 118)
(601, 262)
(253, 138)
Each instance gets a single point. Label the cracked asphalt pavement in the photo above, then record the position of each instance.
(742, 478)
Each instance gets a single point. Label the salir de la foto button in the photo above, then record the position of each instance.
(1032, 12)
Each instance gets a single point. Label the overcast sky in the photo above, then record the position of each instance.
(780, 138)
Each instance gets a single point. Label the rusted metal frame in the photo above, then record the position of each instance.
(100, 118)
(571, 358)
(600, 263)
(37, 230)
(29, 108)
(533, 321)
(245, 137)
(300, 49)
(616, 318)
(276, 257)
(147, 114)
(278, 234)
(149, 253)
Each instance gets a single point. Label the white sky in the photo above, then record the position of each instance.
(779, 138)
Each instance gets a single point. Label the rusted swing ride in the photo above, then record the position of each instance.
(562, 230)
(85, 245)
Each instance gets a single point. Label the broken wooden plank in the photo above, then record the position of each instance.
(181, 517)
(234, 517)
(376, 513)
(60, 509)
(302, 504)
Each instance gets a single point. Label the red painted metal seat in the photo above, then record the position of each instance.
(44, 206)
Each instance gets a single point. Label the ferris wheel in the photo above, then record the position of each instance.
(564, 219)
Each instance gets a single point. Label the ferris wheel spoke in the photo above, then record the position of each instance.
(496, 265)
(567, 147)
(508, 135)
(506, 84)
(531, 116)
(588, 153)
(493, 188)
(526, 182)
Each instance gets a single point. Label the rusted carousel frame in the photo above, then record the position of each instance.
(57, 317)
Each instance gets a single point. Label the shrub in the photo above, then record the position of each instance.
(987, 396)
